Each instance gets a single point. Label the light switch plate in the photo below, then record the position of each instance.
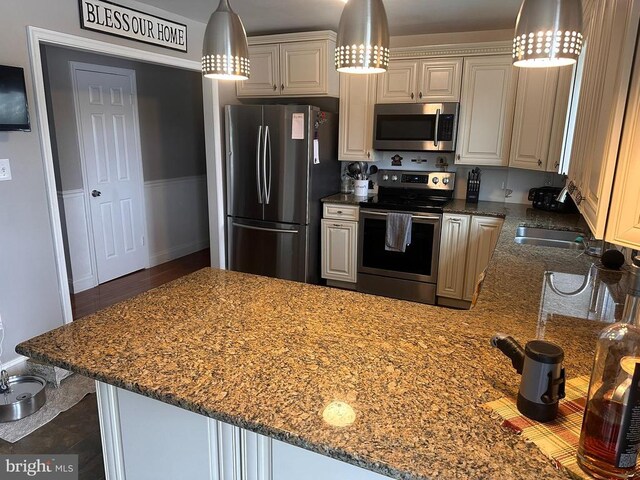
(5, 169)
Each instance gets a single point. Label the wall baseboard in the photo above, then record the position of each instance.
(159, 258)
(14, 364)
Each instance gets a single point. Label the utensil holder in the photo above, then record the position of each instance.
(361, 188)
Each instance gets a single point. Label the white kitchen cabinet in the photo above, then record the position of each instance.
(421, 81)
(398, 83)
(453, 255)
(145, 439)
(611, 31)
(293, 463)
(623, 227)
(439, 80)
(559, 130)
(357, 102)
(304, 68)
(339, 250)
(486, 111)
(296, 64)
(265, 73)
(533, 119)
(483, 239)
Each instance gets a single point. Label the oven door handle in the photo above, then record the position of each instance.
(415, 217)
(435, 137)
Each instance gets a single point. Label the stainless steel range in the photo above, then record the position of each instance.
(411, 275)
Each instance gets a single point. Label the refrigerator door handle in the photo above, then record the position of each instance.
(267, 150)
(258, 172)
(263, 229)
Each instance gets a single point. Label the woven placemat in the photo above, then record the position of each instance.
(557, 439)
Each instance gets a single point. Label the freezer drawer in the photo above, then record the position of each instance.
(266, 248)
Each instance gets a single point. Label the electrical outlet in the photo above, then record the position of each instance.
(548, 179)
(5, 169)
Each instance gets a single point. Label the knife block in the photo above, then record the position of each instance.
(473, 191)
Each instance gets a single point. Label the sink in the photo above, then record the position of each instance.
(549, 238)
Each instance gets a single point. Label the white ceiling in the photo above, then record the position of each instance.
(406, 17)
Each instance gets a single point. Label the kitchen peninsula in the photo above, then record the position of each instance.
(269, 356)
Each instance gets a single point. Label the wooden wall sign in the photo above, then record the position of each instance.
(112, 19)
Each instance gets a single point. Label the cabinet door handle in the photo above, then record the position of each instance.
(556, 165)
(275, 87)
(579, 198)
(420, 95)
(412, 96)
(539, 162)
(282, 86)
(337, 225)
(339, 212)
(368, 154)
(458, 157)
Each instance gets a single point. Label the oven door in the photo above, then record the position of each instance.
(418, 127)
(420, 260)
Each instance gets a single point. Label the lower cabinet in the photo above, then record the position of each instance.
(466, 247)
(340, 243)
(453, 253)
(145, 439)
(483, 239)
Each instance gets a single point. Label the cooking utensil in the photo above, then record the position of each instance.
(353, 169)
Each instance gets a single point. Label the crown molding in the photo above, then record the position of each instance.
(294, 37)
(454, 50)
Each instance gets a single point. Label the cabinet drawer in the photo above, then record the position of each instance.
(341, 212)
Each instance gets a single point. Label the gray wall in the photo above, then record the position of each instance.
(29, 290)
(170, 112)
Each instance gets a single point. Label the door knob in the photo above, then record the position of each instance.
(96, 193)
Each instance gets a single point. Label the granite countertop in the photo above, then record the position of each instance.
(268, 355)
(346, 198)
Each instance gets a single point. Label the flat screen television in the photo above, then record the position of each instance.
(14, 111)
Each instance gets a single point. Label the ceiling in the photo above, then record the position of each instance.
(406, 17)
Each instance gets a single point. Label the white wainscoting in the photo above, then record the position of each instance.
(83, 275)
(177, 225)
(177, 217)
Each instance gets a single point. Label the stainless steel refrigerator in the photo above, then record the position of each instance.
(281, 160)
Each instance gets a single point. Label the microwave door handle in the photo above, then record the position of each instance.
(258, 171)
(435, 137)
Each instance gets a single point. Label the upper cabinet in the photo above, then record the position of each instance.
(533, 120)
(265, 73)
(610, 35)
(292, 65)
(624, 217)
(357, 102)
(486, 111)
(421, 81)
(439, 80)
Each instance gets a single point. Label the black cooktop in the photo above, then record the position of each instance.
(406, 203)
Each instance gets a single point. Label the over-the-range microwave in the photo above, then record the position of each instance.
(429, 127)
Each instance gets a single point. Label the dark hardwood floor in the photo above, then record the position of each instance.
(77, 431)
(90, 301)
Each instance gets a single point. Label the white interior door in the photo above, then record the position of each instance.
(109, 144)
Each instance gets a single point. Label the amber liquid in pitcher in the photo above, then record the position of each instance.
(599, 441)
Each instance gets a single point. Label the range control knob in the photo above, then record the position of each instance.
(385, 177)
(435, 180)
(394, 178)
(445, 181)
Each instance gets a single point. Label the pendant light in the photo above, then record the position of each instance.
(548, 33)
(363, 38)
(225, 53)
